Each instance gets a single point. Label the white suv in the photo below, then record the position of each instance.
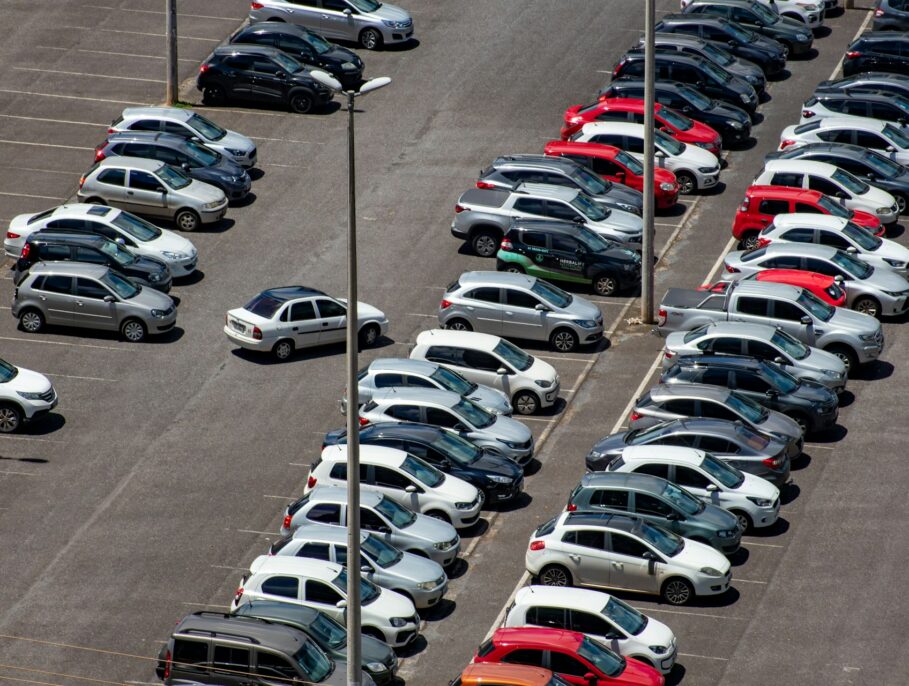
(531, 383)
(386, 615)
(404, 478)
(24, 395)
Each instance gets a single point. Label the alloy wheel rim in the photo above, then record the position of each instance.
(369, 39)
(370, 336)
(133, 331)
(457, 326)
(485, 246)
(606, 285)
(526, 405)
(8, 420)
(901, 204)
(282, 351)
(686, 184)
(867, 307)
(31, 322)
(187, 222)
(555, 577)
(564, 341)
(743, 521)
(677, 592)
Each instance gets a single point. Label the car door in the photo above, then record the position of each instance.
(586, 556)
(335, 23)
(325, 598)
(521, 318)
(191, 659)
(111, 185)
(528, 207)
(567, 258)
(828, 187)
(789, 317)
(483, 306)
(393, 484)
(487, 369)
(146, 194)
(569, 667)
(791, 179)
(533, 246)
(303, 12)
(268, 79)
(767, 209)
(238, 70)
(273, 669)
(696, 482)
(332, 320)
(57, 299)
(630, 569)
(749, 309)
(281, 588)
(596, 625)
(303, 322)
(655, 510)
(374, 523)
(723, 345)
(90, 310)
(230, 664)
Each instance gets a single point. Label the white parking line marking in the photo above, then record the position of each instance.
(82, 73)
(179, 14)
(74, 345)
(84, 378)
(703, 657)
(29, 438)
(258, 113)
(139, 33)
(290, 140)
(763, 545)
(223, 607)
(26, 195)
(297, 464)
(719, 261)
(285, 166)
(645, 610)
(666, 224)
(563, 357)
(240, 569)
(259, 533)
(73, 97)
(750, 581)
(609, 302)
(537, 419)
(418, 314)
(17, 473)
(819, 446)
(45, 171)
(637, 393)
(45, 145)
(116, 54)
(279, 497)
(55, 121)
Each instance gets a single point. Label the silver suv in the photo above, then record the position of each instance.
(516, 305)
(90, 296)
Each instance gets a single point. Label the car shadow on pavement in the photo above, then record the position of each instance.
(747, 144)
(215, 227)
(49, 423)
(789, 493)
(255, 173)
(778, 528)
(879, 369)
(895, 231)
(739, 557)
(457, 569)
(28, 460)
(441, 610)
(478, 528)
(519, 503)
(716, 190)
(677, 675)
(846, 398)
(835, 433)
(415, 648)
(799, 463)
(822, 31)
(245, 201)
(677, 210)
(190, 279)
(781, 75)
(730, 597)
(171, 336)
(805, 56)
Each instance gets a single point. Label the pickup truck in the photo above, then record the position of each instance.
(853, 337)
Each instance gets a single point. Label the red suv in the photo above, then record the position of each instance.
(577, 659)
(827, 288)
(667, 120)
(619, 167)
(763, 203)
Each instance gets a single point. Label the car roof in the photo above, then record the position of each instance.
(800, 249)
(629, 104)
(246, 49)
(177, 113)
(535, 160)
(338, 494)
(622, 522)
(469, 339)
(880, 36)
(551, 225)
(693, 18)
(67, 236)
(273, 608)
(402, 364)
(171, 139)
(537, 636)
(853, 94)
(503, 674)
(673, 55)
(761, 331)
(779, 290)
(592, 149)
(565, 596)
(689, 390)
(81, 210)
(808, 219)
(676, 39)
(866, 123)
(285, 293)
(68, 268)
(500, 278)
(286, 564)
(546, 190)
(795, 276)
(783, 192)
(659, 83)
(730, 361)
(277, 636)
(801, 165)
(274, 27)
(629, 480)
(625, 127)
(368, 453)
(325, 533)
(430, 396)
(404, 430)
(737, 3)
(131, 163)
(667, 453)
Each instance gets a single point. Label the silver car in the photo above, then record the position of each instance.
(422, 581)
(402, 372)
(515, 305)
(152, 188)
(90, 296)
(367, 22)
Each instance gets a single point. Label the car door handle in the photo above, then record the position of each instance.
(510, 314)
(618, 565)
(324, 323)
(79, 303)
(325, 16)
(575, 558)
(818, 332)
(296, 328)
(129, 192)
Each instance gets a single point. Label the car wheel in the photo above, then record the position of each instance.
(514, 268)
(687, 183)
(525, 402)
(900, 202)
(31, 321)
(301, 101)
(133, 330)
(749, 241)
(282, 350)
(677, 591)
(438, 514)
(563, 340)
(867, 305)
(605, 285)
(846, 355)
(370, 39)
(369, 334)
(187, 220)
(485, 243)
(459, 325)
(10, 418)
(214, 94)
(95, 201)
(744, 520)
(555, 575)
(801, 420)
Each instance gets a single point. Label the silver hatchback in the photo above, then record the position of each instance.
(90, 296)
(520, 306)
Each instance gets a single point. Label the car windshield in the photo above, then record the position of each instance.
(513, 355)
(849, 182)
(457, 449)
(173, 177)
(263, 305)
(319, 44)
(474, 414)
(665, 541)
(602, 657)
(675, 119)
(139, 229)
(740, 33)
(592, 241)
(883, 166)
(668, 143)
(718, 55)
(621, 613)
(754, 440)
(589, 181)
(121, 256)
(287, 63)
(122, 287)
(366, 5)
(594, 212)
(815, 306)
(695, 334)
(551, 294)
(746, 407)
(629, 162)
(855, 267)
(764, 14)
(206, 156)
(399, 516)
(686, 502)
(206, 128)
(452, 381)
(314, 663)
(720, 75)
(424, 473)
(381, 553)
(895, 136)
(783, 380)
(700, 101)
(7, 371)
(831, 207)
(726, 474)
(863, 238)
(368, 590)
(789, 345)
(328, 632)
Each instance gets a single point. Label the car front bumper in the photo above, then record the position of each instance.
(34, 409)
(712, 585)
(423, 599)
(396, 35)
(765, 516)
(445, 557)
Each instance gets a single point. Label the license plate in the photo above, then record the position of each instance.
(237, 326)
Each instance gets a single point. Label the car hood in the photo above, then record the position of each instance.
(698, 157)
(203, 192)
(365, 312)
(149, 297)
(373, 650)
(491, 399)
(28, 381)
(387, 11)
(582, 308)
(542, 371)
(339, 55)
(508, 429)
(876, 197)
(149, 265)
(716, 517)
(389, 604)
(726, 110)
(771, 45)
(171, 242)
(758, 487)
(884, 279)
(893, 250)
(430, 529)
(791, 25)
(609, 446)
(636, 673)
(676, 340)
(698, 555)
(819, 361)
(455, 490)
(853, 322)
(416, 568)
(236, 141)
(779, 424)
(619, 220)
(496, 464)
(815, 392)
(620, 193)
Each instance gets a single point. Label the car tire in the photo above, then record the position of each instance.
(95, 201)
(514, 268)
(677, 591)
(187, 219)
(485, 242)
(847, 355)
(605, 285)
(31, 320)
(370, 39)
(749, 240)
(133, 330)
(282, 350)
(900, 202)
(555, 575)
(745, 523)
(564, 340)
(867, 305)
(214, 94)
(368, 336)
(525, 402)
(687, 183)
(301, 101)
(801, 420)
(438, 514)
(10, 418)
(458, 325)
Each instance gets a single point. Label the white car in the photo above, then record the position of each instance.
(404, 478)
(627, 553)
(141, 237)
(808, 12)
(872, 134)
(321, 585)
(840, 233)
(752, 499)
(492, 361)
(694, 167)
(24, 395)
(280, 320)
(854, 193)
(601, 616)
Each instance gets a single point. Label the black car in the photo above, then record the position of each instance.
(877, 51)
(267, 75)
(199, 161)
(742, 42)
(306, 47)
(880, 81)
(873, 104)
(756, 16)
(499, 478)
(564, 251)
(706, 77)
(732, 123)
(892, 15)
(716, 52)
(50, 245)
(878, 170)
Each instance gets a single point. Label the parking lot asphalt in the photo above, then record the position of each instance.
(163, 471)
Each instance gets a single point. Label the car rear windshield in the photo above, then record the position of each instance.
(279, 544)
(7, 371)
(139, 229)
(546, 528)
(810, 126)
(41, 215)
(264, 305)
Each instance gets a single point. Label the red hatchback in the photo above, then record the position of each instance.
(577, 659)
(618, 166)
(827, 288)
(763, 203)
(667, 120)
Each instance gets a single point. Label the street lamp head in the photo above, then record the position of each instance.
(326, 79)
(374, 84)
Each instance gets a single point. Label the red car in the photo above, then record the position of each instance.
(667, 120)
(827, 288)
(577, 659)
(763, 203)
(619, 167)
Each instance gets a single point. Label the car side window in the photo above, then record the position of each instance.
(625, 545)
(589, 623)
(62, 252)
(143, 181)
(614, 500)
(717, 411)
(564, 244)
(145, 125)
(748, 381)
(690, 478)
(406, 413)
(524, 656)
(389, 478)
(833, 239)
(445, 355)
(605, 167)
(176, 129)
(799, 235)
(302, 311)
(317, 551)
(239, 62)
(761, 350)
(773, 206)
(660, 470)
(318, 592)
(566, 664)
(89, 288)
(681, 406)
(553, 617)
(881, 110)
(783, 262)
(190, 655)
(787, 179)
(534, 239)
(612, 139)
(389, 380)
(370, 521)
(485, 294)
(819, 183)
(645, 503)
(231, 659)
(516, 298)
(715, 377)
(529, 205)
(753, 306)
(483, 361)
(141, 150)
(418, 382)
(329, 308)
(82, 254)
(334, 5)
(684, 440)
(113, 177)
(274, 666)
(263, 65)
(787, 310)
(716, 444)
(326, 513)
(57, 284)
(439, 417)
(586, 538)
(725, 346)
(867, 139)
(284, 586)
(560, 210)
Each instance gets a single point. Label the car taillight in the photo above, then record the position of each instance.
(256, 6)
(772, 462)
(203, 68)
(26, 249)
(485, 184)
(852, 54)
(506, 245)
(10, 234)
(81, 181)
(744, 206)
(618, 68)
(238, 594)
(257, 333)
(99, 153)
(112, 130)
(287, 519)
(786, 143)
(537, 545)
(459, 209)
(167, 659)
(763, 242)
(668, 354)
(571, 507)
(445, 304)
(363, 421)
(730, 269)
(575, 120)
(634, 416)
(661, 317)
(311, 481)
(807, 114)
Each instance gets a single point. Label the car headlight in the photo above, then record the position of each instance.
(629, 267)
(727, 533)
(392, 24)
(586, 324)
(868, 337)
(498, 479)
(427, 585)
(882, 210)
(543, 383)
(510, 444)
(212, 205)
(348, 66)
(155, 277)
(595, 455)
(444, 545)
(710, 571)
(707, 170)
(465, 506)
(235, 152)
(628, 208)
(831, 373)
(174, 255)
(745, 98)
(895, 263)
(29, 396)
(398, 622)
(760, 502)
(159, 314)
(810, 8)
(668, 186)
(801, 36)
(376, 667)
(658, 650)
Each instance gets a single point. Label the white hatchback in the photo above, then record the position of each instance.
(24, 395)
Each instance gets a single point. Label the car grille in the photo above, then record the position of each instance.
(406, 24)
(169, 311)
(452, 543)
(49, 395)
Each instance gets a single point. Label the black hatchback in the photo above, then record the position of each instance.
(259, 74)
(75, 246)
(878, 51)
(306, 47)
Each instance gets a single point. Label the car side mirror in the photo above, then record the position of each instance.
(366, 569)
(410, 489)
(109, 299)
(280, 74)
(838, 279)
(772, 393)
(651, 562)
(119, 241)
(161, 189)
(501, 371)
(540, 307)
(806, 320)
(445, 464)
(347, 12)
(852, 250)
(460, 427)
(185, 166)
(890, 148)
(712, 488)
(779, 360)
(674, 517)
(590, 678)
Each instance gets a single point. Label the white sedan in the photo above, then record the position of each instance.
(873, 134)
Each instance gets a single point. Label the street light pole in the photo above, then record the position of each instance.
(649, 103)
(171, 95)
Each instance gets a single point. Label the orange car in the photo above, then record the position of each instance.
(827, 288)
(503, 674)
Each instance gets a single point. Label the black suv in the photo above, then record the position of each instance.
(705, 76)
(878, 51)
(49, 245)
(306, 47)
(562, 251)
(732, 123)
(267, 75)
(199, 161)
(891, 14)
(713, 51)
(754, 15)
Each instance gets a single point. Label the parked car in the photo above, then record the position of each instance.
(386, 615)
(396, 525)
(880, 105)
(598, 615)
(405, 478)
(531, 383)
(280, 320)
(506, 675)
(306, 47)
(877, 51)
(753, 500)
(624, 552)
(888, 82)
(25, 396)
(499, 478)
(154, 189)
(811, 14)
(421, 580)
(370, 23)
(51, 245)
(90, 296)
(718, 52)
(892, 15)
(241, 72)
(660, 503)
(827, 288)
(754, 15)
(868, 133)
(501, 435)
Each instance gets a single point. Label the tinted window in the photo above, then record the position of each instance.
(478, 359)
(625, 545)
(57, 284)
(534, 239)
(786, 179)
(113, 177)
(388, 478)
(318, 551)
(682, 406)
(302, 311)
(783, 262)
(546, 616)
(818, 183)
(833, 239)
(231, 658)
(799, 235)
(566, 664)
(773, 206)
(440, 417)
(588, 623)
(589, 538)
(660, 470)
(489, 295)
(529, 205)
(327, 513)
(524, 657)
(85, 254)
(190, 652)
(647, 504)
(274, 666)
(753, 306)
(689, 478)
(143, 181)
(726, 346)
(60, 252)
(715, 377)
(788, 311)
(329, 308)
(317, 592)
(285, 586)
(87, 288)
(389, 380)
(520, 299)
(445, 354)
(716, 444)
(560, 210)
(406, 413)
(615, 500)
(866, 139)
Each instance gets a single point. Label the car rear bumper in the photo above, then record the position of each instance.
(246, 342)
